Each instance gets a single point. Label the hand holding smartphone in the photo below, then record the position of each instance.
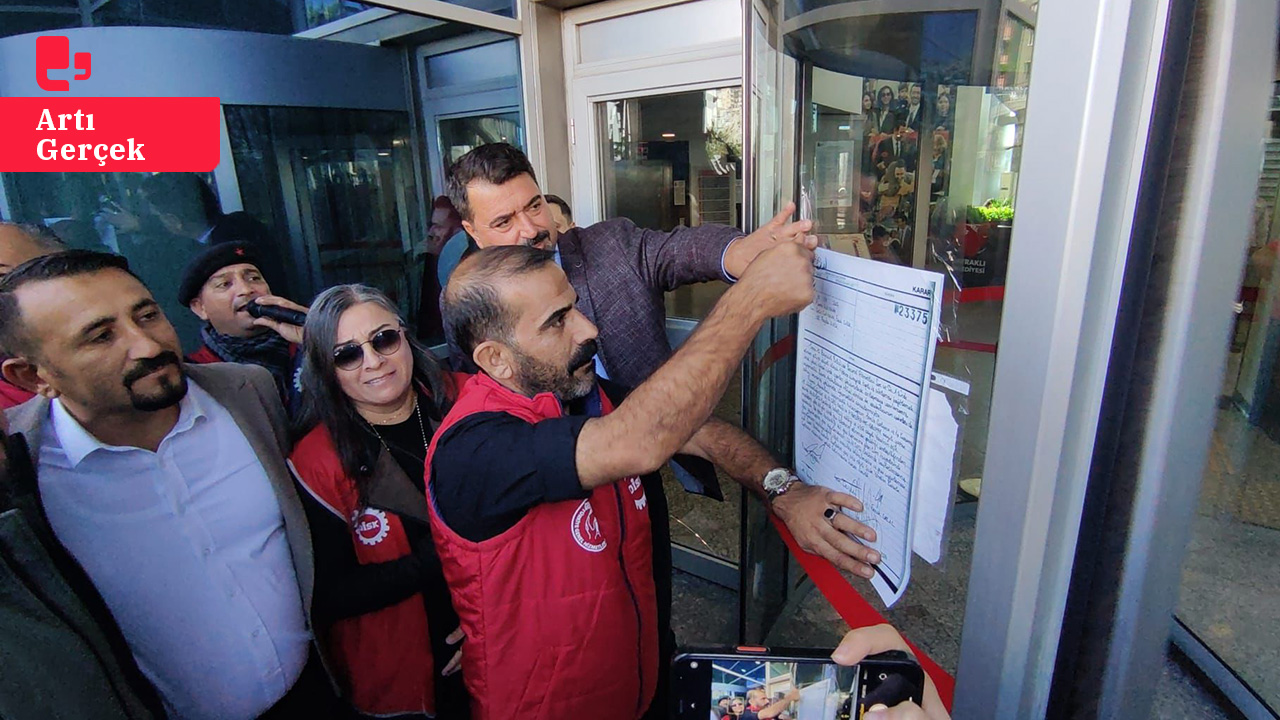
(756, 683)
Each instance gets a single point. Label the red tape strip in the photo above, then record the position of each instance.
(977, 294)
(856, 611)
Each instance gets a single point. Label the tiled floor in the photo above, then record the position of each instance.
(1231, 579)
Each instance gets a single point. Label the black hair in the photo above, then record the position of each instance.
(324, 402)
(68, 263)
(473, 310)
(494, 163)
(184, 195)
(878, 231)
(560, 203)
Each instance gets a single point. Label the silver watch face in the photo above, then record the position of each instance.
(776, 479)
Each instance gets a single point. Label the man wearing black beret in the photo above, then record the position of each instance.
(218, 286)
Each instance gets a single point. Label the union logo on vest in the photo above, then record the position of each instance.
(586, 528)
(371, 526)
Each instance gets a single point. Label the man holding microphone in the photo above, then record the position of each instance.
(243, 322)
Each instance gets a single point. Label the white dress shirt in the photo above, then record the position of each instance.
(187, 547)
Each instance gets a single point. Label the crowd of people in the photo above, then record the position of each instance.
(323, 520)
(896, 118)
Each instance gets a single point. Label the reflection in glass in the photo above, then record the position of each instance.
(676, 161)
(903, 155)
(280, 17)
(668, 161)
(459, 136)
(109, 212)
(331, 186)
(1228, 597)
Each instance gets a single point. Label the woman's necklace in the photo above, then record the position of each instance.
(417, 411)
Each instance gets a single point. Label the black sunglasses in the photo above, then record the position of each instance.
(350, 356)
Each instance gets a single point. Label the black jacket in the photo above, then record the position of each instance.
(62, 654)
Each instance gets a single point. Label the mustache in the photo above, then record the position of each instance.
(150, 365)
(585, 353)
(541, 237)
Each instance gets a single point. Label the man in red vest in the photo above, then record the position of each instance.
(538, 511)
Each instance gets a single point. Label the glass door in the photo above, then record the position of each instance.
(916, 166)
(667, 161)
(1228, 606)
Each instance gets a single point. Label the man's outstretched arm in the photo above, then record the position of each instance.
(800, 508)
(660, 415)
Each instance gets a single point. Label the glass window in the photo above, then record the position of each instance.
(668, 161)
(459, 136)
(333, 187)
(39, 18)
(674, 160)
(1229, 577)
(904, 155)
(474, 65)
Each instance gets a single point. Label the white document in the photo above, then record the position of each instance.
(865, 352)
(934, 497)
(818, 701)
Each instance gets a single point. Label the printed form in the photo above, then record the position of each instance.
(865, 350)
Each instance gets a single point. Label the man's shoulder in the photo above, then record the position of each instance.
(28, 416)
(594, 237)
(222, 380)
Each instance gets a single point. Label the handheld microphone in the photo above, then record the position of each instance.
(277, 313)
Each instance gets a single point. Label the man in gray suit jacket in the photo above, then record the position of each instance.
(166, 487)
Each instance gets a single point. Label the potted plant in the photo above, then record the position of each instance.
(986, 243)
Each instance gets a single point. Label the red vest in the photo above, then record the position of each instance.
(560, 611)
(382, 658)
(12, 395)
(204, 356)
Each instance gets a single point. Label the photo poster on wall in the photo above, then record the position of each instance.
(865, 350)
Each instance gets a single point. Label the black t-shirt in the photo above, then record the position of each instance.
(407, 442)
(491, 468)
(344, 587)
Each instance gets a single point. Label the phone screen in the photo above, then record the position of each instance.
(741, 688)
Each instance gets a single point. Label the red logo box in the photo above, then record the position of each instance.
(109, 134)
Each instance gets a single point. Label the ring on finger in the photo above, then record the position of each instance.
(830, 514)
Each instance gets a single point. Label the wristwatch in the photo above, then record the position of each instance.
(777, 481)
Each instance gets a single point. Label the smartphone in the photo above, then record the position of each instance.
(788, 684)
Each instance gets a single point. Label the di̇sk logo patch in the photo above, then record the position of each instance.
(586, 528)
(636, 488)
(371, 526)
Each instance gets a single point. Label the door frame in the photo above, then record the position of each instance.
(697, 67)
(499, 95)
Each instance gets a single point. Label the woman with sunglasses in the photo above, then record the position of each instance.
(373, 397)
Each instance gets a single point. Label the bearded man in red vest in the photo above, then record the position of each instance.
(538, 510)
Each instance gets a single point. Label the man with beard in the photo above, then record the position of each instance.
(167, 485)
(620, 274)
(538, 511)
(218, 286)
(62, 654)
